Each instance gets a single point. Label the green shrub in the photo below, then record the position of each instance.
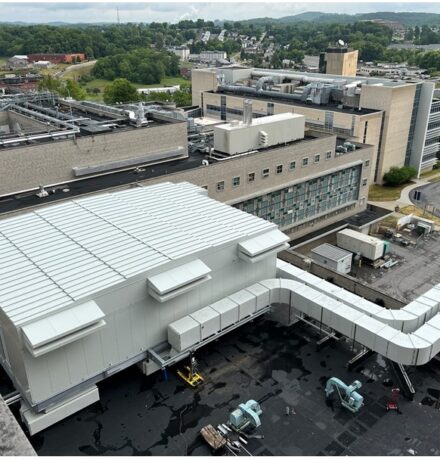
(398, 176)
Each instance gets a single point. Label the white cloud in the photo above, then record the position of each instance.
(172, 12)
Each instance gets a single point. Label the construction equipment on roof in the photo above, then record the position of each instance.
(392, 404)
(192, 376)
(349, 397)
(246, 416)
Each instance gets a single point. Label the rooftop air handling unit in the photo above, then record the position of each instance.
(264, 132)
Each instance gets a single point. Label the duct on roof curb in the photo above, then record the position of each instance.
(416, 348)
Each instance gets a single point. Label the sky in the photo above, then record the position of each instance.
(38, 12)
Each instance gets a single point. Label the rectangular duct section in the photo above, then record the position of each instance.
(179, 152)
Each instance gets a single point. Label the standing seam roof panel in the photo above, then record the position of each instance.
(72, 250)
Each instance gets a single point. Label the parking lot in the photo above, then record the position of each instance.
(416, 271)
(429, 196)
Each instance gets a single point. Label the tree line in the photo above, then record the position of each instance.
(369, 38)
(142, 65)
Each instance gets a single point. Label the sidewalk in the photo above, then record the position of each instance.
(404, 194)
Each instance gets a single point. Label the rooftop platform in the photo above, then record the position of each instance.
(370, 216)
(275, 365)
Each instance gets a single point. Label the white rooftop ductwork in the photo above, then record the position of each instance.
(416, 348)
(353, 320)
(407, 319)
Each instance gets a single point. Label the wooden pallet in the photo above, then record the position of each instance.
(213, 437)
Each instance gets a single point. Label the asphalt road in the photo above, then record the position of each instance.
(61, 73)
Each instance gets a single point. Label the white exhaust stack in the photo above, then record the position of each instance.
(247, 112)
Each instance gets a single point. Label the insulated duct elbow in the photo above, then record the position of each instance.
(263, 81)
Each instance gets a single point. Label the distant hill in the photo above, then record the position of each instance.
(409, 19)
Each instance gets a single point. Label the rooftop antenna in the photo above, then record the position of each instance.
(341, 42)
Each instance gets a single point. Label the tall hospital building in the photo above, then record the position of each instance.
(401, 119)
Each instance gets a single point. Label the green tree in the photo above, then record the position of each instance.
(398, 176)
(409, 34)
(89, 53)
(139, 66)
(72, 89)
(159, 40)
(49, 83)
(120, 90)
(416, 33)
(182, 98)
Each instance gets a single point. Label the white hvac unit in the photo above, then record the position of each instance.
(367, 246)
(240, 137)
(332, 257)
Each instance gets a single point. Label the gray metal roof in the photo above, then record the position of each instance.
(57, 255)
(330, 252)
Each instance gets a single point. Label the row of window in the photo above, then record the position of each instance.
(278, 170)
(295, 203)
(433, 125)
(435, 107)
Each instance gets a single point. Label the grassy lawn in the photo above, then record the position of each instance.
(390, 221)
(385, 193)
(101, 84)
(187, 64)
(430, 173)
(411, 209)
(167, 81)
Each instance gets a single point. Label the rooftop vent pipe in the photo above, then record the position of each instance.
(247, 112)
